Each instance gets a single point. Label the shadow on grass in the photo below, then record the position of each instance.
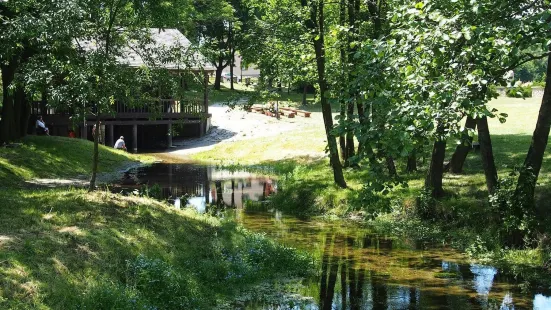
(308, 185)
(62, 246)
(51, 157)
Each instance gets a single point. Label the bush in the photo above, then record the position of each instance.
(107, 295)
(159, 283)
(519, 92)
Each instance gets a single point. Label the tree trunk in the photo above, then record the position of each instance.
(18, 103)
(304, 90)
(391, 166)
(528, 177)
(350, 150)
(319, 47)
(25, 108)
(435, 174)
(487, 154)
(342, 137)
(7, 123)
(462, 150)
(95, 160)
(412, 163)
(231, 68)
(218, 77)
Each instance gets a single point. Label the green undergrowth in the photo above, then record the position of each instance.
(57, 157)
(463, 219)
(68, 249)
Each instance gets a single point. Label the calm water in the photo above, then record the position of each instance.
(359, 269)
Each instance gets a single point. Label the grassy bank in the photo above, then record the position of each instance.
(69, 249)
(510, 144)
(57, 157)
(463, 217)
(64, 249)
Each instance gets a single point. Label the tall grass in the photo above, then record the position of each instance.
(64, 249)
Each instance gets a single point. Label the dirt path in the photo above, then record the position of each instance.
(234, 125)
(82, 181)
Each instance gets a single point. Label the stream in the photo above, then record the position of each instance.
(358, 269)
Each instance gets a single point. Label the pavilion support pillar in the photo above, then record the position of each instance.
(202, 127)
(206, 93)
(135, 138)
(111, 140)
(169, 135)
(83, 132)
(170, 172)
(206, 189)
(205, 114)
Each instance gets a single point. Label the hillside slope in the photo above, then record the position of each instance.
(72, 249)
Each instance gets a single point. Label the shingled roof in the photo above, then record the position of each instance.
(164, 40)
(169, 39)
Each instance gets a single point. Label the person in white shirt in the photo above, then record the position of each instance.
(40, 125)
(120, 145)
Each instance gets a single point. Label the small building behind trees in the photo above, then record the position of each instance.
(152, 122)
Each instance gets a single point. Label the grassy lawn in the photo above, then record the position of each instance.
(53, 157)
(464, 217)
(64, 249)
(510, 141)
(292, 98)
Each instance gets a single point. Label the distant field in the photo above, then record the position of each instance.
(523, 114)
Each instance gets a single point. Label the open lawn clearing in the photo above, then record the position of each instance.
(511, 139)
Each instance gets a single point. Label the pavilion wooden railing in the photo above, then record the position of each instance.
(188, 106)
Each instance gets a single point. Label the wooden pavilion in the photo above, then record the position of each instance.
(144, 126)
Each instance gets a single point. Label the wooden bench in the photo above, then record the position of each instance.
(289, 114)
(296, 111)
(256, 109)
(304, 113)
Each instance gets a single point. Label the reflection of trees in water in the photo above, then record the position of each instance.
(347, 281)
(352, 277)
(219, 197)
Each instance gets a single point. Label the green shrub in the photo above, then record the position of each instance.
(107, 295)
(519, 92)
(159, 283)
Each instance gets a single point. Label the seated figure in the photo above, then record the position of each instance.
(41, 128)
(120, 145)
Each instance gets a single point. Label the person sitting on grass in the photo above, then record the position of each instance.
(120, 145)
(41, 127)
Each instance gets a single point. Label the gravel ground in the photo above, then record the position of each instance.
(233, 125)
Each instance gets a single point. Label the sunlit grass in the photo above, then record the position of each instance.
(52, 157)
(59, 247)
(510, 144)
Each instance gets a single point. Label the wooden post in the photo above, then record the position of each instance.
(206, 93)
(205, 115)
(135, 138)
(206, 189)
(169, 135)
(83, 132)
(111, 141)
(170, 180)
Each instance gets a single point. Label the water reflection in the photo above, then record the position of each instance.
(362, 270)
(358, 269)
(200, 186)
